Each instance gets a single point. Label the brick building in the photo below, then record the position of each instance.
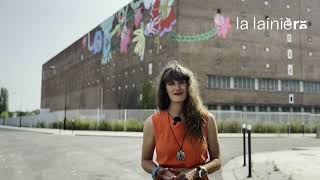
(249, 69)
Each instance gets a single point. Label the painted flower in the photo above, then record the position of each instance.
(125, 39)
(138, 16)
(222, 25)
(84, 42)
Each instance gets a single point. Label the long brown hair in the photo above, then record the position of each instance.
(193, 109)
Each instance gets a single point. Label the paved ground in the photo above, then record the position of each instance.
(29, 155)
(296, 164)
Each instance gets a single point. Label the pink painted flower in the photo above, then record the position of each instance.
(222, 25)
(138, 15)
(125, 39)
(84, 42)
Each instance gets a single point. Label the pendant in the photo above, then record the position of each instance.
(181, 155)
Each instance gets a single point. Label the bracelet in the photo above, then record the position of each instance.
(155, 171)
(202, 171)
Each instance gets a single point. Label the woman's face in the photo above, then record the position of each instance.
(177, 91)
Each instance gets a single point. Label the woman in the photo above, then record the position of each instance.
(182, 133)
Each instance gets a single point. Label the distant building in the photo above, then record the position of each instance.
(248, 70)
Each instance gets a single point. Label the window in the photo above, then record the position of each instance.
(243, 83)
(289, 38)
(225, 107)
(309, 23)
(310, 53)
(238, 108)
(266, 3)
(243, 47)
(317, 110)
(218, 82)
(285, 109)
(307, 109)
(311, 87)
(290, 85)
(308, 9)
(150, 68)
(263, 108)
(212, 107)
(274, 109)
(268, 84)
(289, 53)
(309, 39)
(251, 108)
(291, 98)
(290, 69)
(296, 109)
(267, 49)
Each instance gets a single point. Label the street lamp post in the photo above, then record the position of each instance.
(65, 106)
(20, 114)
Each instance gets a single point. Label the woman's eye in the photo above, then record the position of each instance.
(170, 83)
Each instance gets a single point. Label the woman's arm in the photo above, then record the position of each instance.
(148, 146)
(213, 146)
(147, 153)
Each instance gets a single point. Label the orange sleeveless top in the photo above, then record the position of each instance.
(196, 153)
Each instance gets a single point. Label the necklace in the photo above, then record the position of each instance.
(180, 155)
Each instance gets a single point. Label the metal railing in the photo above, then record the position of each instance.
(47, 118)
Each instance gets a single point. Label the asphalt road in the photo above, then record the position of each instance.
(36, 156)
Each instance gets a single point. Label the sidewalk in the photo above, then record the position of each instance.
(135, 134)
(297, 164)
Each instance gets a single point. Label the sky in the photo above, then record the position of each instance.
(34, 31)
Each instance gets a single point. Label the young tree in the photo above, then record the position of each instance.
(4, 100)
(4, 116)
(148, 100)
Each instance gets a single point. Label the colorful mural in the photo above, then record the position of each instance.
(140, 42)
(106, 27)
(221, 27)
(143, 19)
(125, 39)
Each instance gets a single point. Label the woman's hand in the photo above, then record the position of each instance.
(188, 175)
(166, 174)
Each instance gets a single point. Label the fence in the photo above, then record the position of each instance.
(123, 115)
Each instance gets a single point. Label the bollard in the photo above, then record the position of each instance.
(303, 128)
(318, 132)
(249, 149)
(60, 127)
(244, 127)
(288, 128)
(72, 126)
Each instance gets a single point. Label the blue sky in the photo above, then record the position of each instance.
(34, 31)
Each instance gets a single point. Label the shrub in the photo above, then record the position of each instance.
(134, 125)
(40, 125)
